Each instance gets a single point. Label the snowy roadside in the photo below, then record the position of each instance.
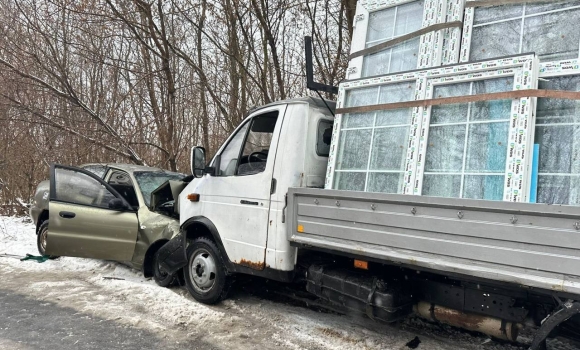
(114, 292)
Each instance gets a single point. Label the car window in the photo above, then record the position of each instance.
(257, 144)
(121, 182)
(96, 169)
(75, 187)
(149, 181)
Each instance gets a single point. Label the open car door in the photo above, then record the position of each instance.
(88, 218)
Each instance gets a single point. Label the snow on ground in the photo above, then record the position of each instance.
(111, 291)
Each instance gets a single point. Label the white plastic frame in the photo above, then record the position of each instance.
(522, 68)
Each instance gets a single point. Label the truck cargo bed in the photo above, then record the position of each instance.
(530, 245)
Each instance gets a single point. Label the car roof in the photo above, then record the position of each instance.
(131, 168)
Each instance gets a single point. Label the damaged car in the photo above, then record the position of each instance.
(116, 212)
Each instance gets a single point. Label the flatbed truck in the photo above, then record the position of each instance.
(260, 208)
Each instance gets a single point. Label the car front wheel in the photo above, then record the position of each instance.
(206, 278)
(41, 239)
(161, 277)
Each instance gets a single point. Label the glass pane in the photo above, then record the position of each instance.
(537, 8)
(386, 182)
(358, 120)
(394, 117)
(456, 113)
(323, 136)
(78, 188)
(399, 92)
(492, 110)
(559, 148)
(391, 93)
(377, 63)
(409, 18)
(496, 13)
(559, 189)
(389, 148)
(442, 185)
(553, 36)
(483, 187)
(229, 157)
(96, 169)
(381, 24)
(362, 97)
(354, 150)
(487, 147)
(555, 110)
(495, 40)
(450, 113)
(404, 56)
(257, 146)
(350, 181)
(445, 149)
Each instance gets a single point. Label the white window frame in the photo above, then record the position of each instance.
(520, 148)
(361, 22)
(468, 24)
(522, 68)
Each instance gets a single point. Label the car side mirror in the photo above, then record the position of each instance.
(117, 204)
(198, 161)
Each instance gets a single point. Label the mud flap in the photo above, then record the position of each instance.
(172, 256)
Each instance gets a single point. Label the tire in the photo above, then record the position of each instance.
(41, 238)
(162, 278)
(205, 275)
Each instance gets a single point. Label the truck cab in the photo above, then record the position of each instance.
(239, 200)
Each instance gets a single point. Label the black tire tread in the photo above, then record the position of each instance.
(40, 251)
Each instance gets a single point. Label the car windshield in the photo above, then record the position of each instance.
(149, 181)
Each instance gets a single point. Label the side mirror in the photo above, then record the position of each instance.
(117, 204)
(198, 161)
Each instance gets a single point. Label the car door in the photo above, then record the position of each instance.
(81, 222)
(237, 199)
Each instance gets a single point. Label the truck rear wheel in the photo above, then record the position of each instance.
(206, 277)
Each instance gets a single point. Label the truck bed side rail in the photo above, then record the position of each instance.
(532, 245)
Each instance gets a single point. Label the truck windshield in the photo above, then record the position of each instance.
(149, 181)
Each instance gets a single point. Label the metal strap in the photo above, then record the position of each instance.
(557, 94)
(369, 307)
(402, 38)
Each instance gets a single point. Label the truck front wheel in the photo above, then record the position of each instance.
(206, 278)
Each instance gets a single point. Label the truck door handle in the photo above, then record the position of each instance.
(67, 214)
(248, 202)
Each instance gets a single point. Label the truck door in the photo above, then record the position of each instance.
(81, 224)
(237, 199)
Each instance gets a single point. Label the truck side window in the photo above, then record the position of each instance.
(323, 137)
(230, 155)
(257, 145)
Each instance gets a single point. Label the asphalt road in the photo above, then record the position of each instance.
(27, 323)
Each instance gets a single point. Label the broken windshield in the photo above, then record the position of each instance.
(149, 181)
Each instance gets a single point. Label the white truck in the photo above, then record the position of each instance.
(259, 208)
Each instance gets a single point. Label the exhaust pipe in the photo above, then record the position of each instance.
(494, 327)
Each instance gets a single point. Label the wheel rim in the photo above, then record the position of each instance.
(202, 270)
(43, 238)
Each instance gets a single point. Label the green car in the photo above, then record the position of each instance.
(108, 211)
